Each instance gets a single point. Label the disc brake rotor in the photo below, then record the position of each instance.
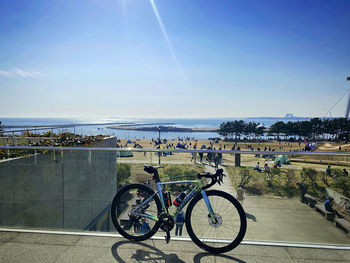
(218, 220)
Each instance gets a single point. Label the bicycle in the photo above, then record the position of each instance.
(344, 205)
(215, 220)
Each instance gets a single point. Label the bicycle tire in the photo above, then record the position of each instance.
(123, 199)
(217, 200)
(342, 206)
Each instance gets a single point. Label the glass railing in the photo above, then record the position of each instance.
(72, 188)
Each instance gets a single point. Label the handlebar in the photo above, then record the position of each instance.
(215, 178)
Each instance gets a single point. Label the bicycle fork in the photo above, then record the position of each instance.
(210, 209)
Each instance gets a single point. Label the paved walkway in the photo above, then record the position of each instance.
(29, 247)
(271, 219)
(285, 220)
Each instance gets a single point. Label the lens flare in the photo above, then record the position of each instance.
(167, 39)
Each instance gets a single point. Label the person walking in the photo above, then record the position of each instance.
(216, 160)
(200, 157)
(220, 157)
(179, 221)
(329, 171)
(194, 157)
(210, 156)
(144, 228)
(194, 154)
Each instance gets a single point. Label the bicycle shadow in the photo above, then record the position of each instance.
(252, 217)
(149, 253)
(146, 253)
(198, 258)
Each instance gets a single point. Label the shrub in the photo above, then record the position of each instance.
(324, 178)
(244, 178)
(49, 134)
(309, 174)
(290, 178)
(270, 176)
(123, 173)
(342, 183)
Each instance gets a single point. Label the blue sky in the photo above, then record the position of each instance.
(112, 58)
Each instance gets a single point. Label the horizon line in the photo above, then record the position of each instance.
(222, 117)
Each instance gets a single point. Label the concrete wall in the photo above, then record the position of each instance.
(58, 190)
(336, 196)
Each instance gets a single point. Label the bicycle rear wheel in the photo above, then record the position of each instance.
(224, 234)
(128, 224)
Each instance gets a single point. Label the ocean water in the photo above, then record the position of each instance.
(100, 126)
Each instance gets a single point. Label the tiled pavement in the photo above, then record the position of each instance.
(34, 247)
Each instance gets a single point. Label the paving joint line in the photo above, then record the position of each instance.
(62, 254)
(188, 239)
(290, 255)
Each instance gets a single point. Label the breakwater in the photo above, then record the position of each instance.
(163, 129)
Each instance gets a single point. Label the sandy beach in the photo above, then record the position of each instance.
(297, 160)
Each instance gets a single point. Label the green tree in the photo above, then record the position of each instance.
(225, 130)
(278, 128)
(238, 128)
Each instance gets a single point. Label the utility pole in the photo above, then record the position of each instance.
(348, 107)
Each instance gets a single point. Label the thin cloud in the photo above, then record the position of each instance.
(5, 73)
(27, 73)
(16, 72)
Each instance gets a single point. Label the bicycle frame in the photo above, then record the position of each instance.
(188, 198)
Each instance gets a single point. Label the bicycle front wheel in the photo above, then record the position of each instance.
(226, 232)
(129, 207)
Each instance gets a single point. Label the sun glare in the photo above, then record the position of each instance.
(167, 39)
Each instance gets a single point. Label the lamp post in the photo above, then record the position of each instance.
(348, 107)
(159, 145)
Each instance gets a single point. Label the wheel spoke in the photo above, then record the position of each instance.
(227, 227)
(130, 212)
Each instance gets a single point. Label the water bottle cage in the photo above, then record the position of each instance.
(178, 200)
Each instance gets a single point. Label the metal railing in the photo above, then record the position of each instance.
(45, 182)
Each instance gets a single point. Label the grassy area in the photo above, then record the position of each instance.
(134, 173)
(282, 182)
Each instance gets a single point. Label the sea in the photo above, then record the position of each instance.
(96, 126)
